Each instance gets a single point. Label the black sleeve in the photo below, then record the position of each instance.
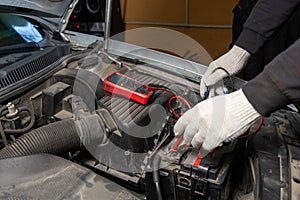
(278, 85)
(265, 18)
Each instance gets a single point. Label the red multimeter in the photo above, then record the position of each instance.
(124, 86)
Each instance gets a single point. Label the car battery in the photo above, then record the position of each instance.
(181, 179)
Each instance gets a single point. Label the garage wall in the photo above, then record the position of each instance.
(172, 14)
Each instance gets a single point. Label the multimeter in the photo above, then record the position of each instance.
(121, 85)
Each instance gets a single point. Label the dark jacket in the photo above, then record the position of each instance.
(279, 83)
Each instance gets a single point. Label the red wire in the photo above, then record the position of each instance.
(177, 143)
(256, 130)
(198, 161)
(161, 89)
(184, 101)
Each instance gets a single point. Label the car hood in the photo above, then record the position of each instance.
(55, 13)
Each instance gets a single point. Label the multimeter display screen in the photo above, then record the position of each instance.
(128, 84)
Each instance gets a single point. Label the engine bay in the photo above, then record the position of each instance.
(72, 115)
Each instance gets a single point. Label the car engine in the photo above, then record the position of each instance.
(69, 114)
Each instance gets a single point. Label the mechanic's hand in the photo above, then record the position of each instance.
(222, 118)
(233, 62)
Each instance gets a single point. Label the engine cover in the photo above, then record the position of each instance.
(141, 125)
(140, 128)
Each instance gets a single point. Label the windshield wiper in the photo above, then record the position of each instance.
(17, 48)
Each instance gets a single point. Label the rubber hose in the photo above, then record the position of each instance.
(53, 138)
(26, 129)
(155, 173)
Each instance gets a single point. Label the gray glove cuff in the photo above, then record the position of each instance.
(240, 54)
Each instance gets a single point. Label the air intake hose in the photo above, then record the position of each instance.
(54, 138)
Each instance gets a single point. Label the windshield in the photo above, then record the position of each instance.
(16, 30)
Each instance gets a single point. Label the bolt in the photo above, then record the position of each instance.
(12, 111)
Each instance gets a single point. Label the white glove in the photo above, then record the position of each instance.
(233, 61)
(222, 118)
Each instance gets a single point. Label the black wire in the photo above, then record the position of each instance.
(228, 75)
(159, 86)
(155, 174)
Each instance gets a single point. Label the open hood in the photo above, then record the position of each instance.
(53, 12)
